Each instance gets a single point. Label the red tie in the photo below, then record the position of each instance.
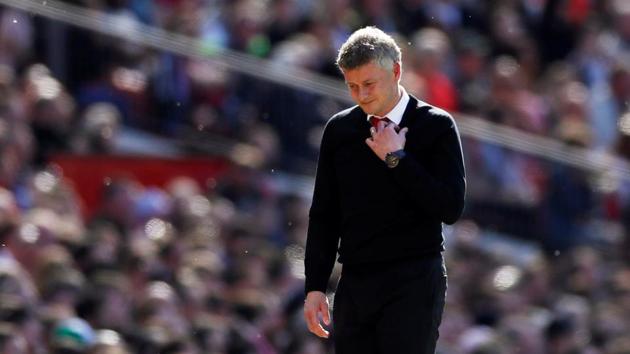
(374, 121)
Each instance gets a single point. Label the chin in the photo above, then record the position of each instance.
(367, 110)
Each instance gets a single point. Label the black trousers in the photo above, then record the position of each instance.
(390, 308)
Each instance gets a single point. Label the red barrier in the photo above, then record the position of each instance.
(88, 173)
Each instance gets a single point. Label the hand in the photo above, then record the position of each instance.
(316, 303)
(385, 139)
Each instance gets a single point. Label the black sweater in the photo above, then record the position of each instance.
(383, 214)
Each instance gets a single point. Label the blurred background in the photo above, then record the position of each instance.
(157, 162)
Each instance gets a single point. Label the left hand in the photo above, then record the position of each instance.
(385, 139)
(316, 305)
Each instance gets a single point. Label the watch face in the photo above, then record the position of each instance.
(391, 160)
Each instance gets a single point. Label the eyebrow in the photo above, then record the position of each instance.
(364, 82)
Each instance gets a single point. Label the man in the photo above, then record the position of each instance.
(384, 192)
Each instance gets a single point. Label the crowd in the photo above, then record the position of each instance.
(217, 268)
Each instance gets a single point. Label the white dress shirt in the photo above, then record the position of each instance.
(395, 115)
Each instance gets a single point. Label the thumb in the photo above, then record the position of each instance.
(325, 312)
(370, 142)
(404, 131)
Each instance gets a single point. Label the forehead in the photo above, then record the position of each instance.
(364, 72)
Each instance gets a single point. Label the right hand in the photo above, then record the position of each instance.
(386, 138)
(316, 303)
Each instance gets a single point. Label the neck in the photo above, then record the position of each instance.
(395, 102)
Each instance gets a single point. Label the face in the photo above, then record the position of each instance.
(373, 87)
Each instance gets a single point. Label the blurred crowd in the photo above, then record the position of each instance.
(190, 269)
(217, 268)
(180, 269)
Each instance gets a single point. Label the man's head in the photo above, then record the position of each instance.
(370, 61)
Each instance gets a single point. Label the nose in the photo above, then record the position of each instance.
(363, 93)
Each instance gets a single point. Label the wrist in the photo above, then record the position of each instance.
(393, 158)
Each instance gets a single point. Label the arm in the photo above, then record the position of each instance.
(324, 220)
(439, 192)
(322, 238)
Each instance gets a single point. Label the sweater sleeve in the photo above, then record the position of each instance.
(439, 191)
(324, 219)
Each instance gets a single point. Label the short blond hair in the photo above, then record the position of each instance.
(366, 45)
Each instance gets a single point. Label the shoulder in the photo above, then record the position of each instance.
(338, 126)
(345, 117)
(347, 114)
(434, 115)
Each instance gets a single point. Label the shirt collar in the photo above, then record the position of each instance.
(395, 115)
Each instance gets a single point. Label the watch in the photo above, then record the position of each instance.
(393, 158)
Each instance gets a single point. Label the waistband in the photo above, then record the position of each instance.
(388, 265)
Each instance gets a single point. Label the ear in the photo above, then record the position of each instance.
(397, 71)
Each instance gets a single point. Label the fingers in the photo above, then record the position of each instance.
(386, 138)
(395, 127)
(382, 126)
(313, 306)
(325, 313)
(320, 331)
(313, 324)
(380, 129)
